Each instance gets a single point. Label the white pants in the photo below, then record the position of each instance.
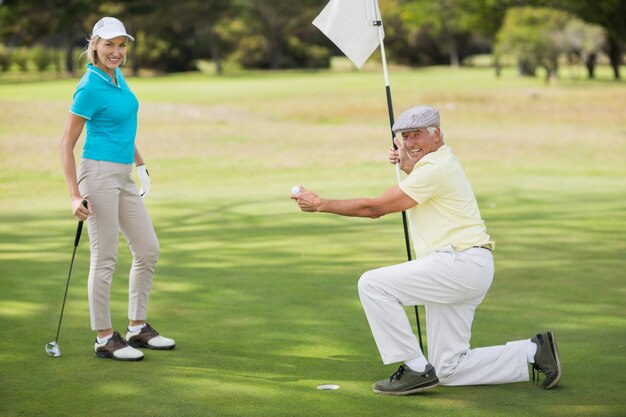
(451, 285)
(116, 205)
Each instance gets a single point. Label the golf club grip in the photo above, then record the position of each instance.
(79, 229)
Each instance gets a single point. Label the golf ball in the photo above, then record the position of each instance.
(295, 189)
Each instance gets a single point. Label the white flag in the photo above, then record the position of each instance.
(349, 24)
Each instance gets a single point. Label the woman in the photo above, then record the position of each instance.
(106, 105)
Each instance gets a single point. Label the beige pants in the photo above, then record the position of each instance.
(451, 285)
(116, 205)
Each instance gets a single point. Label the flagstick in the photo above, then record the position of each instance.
(378, 22)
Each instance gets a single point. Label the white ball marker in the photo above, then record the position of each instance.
(295, 189)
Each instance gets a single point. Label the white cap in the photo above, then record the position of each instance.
(109, 28)
(417, 118)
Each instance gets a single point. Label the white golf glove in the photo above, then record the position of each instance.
(144, 180)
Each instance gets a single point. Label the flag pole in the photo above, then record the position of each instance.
(379, 23)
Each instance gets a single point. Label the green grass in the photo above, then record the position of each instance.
(261, 298)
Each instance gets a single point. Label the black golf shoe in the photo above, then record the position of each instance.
(405, 381)
(547, 359)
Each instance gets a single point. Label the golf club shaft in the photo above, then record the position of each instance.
(407, 242)
(79, 231)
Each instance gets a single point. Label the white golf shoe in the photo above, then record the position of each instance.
(117, 348)
(149, 338)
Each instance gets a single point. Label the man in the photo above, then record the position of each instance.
(451, 275)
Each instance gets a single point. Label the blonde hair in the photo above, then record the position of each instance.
(90, 51)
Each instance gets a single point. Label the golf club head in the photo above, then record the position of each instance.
(52, 349)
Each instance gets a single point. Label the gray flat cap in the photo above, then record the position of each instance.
(417, 118)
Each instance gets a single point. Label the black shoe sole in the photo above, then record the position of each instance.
(555, 353)
(108, 355)
(146, 346)
(421, 388)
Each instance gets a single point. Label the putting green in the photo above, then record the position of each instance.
(261, 298)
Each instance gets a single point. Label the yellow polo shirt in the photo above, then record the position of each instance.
(446, 212)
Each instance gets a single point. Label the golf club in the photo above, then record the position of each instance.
(52, 348)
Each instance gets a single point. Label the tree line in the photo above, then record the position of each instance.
(278, 34)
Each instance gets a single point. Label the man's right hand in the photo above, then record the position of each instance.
(401, 156)
(394, 158)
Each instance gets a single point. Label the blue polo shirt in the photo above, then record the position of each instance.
(111, 113)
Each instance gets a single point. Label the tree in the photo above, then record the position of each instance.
(275, 34)
(422, 29)
(171, 36)
(446, 18)
(26, 22)
(5, 58)
(611, 15)
(535, 36)
(585, 41)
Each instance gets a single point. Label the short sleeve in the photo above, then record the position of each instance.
(424, 183)
(85, 103)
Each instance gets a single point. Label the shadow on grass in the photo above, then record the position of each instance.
(264, 307)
